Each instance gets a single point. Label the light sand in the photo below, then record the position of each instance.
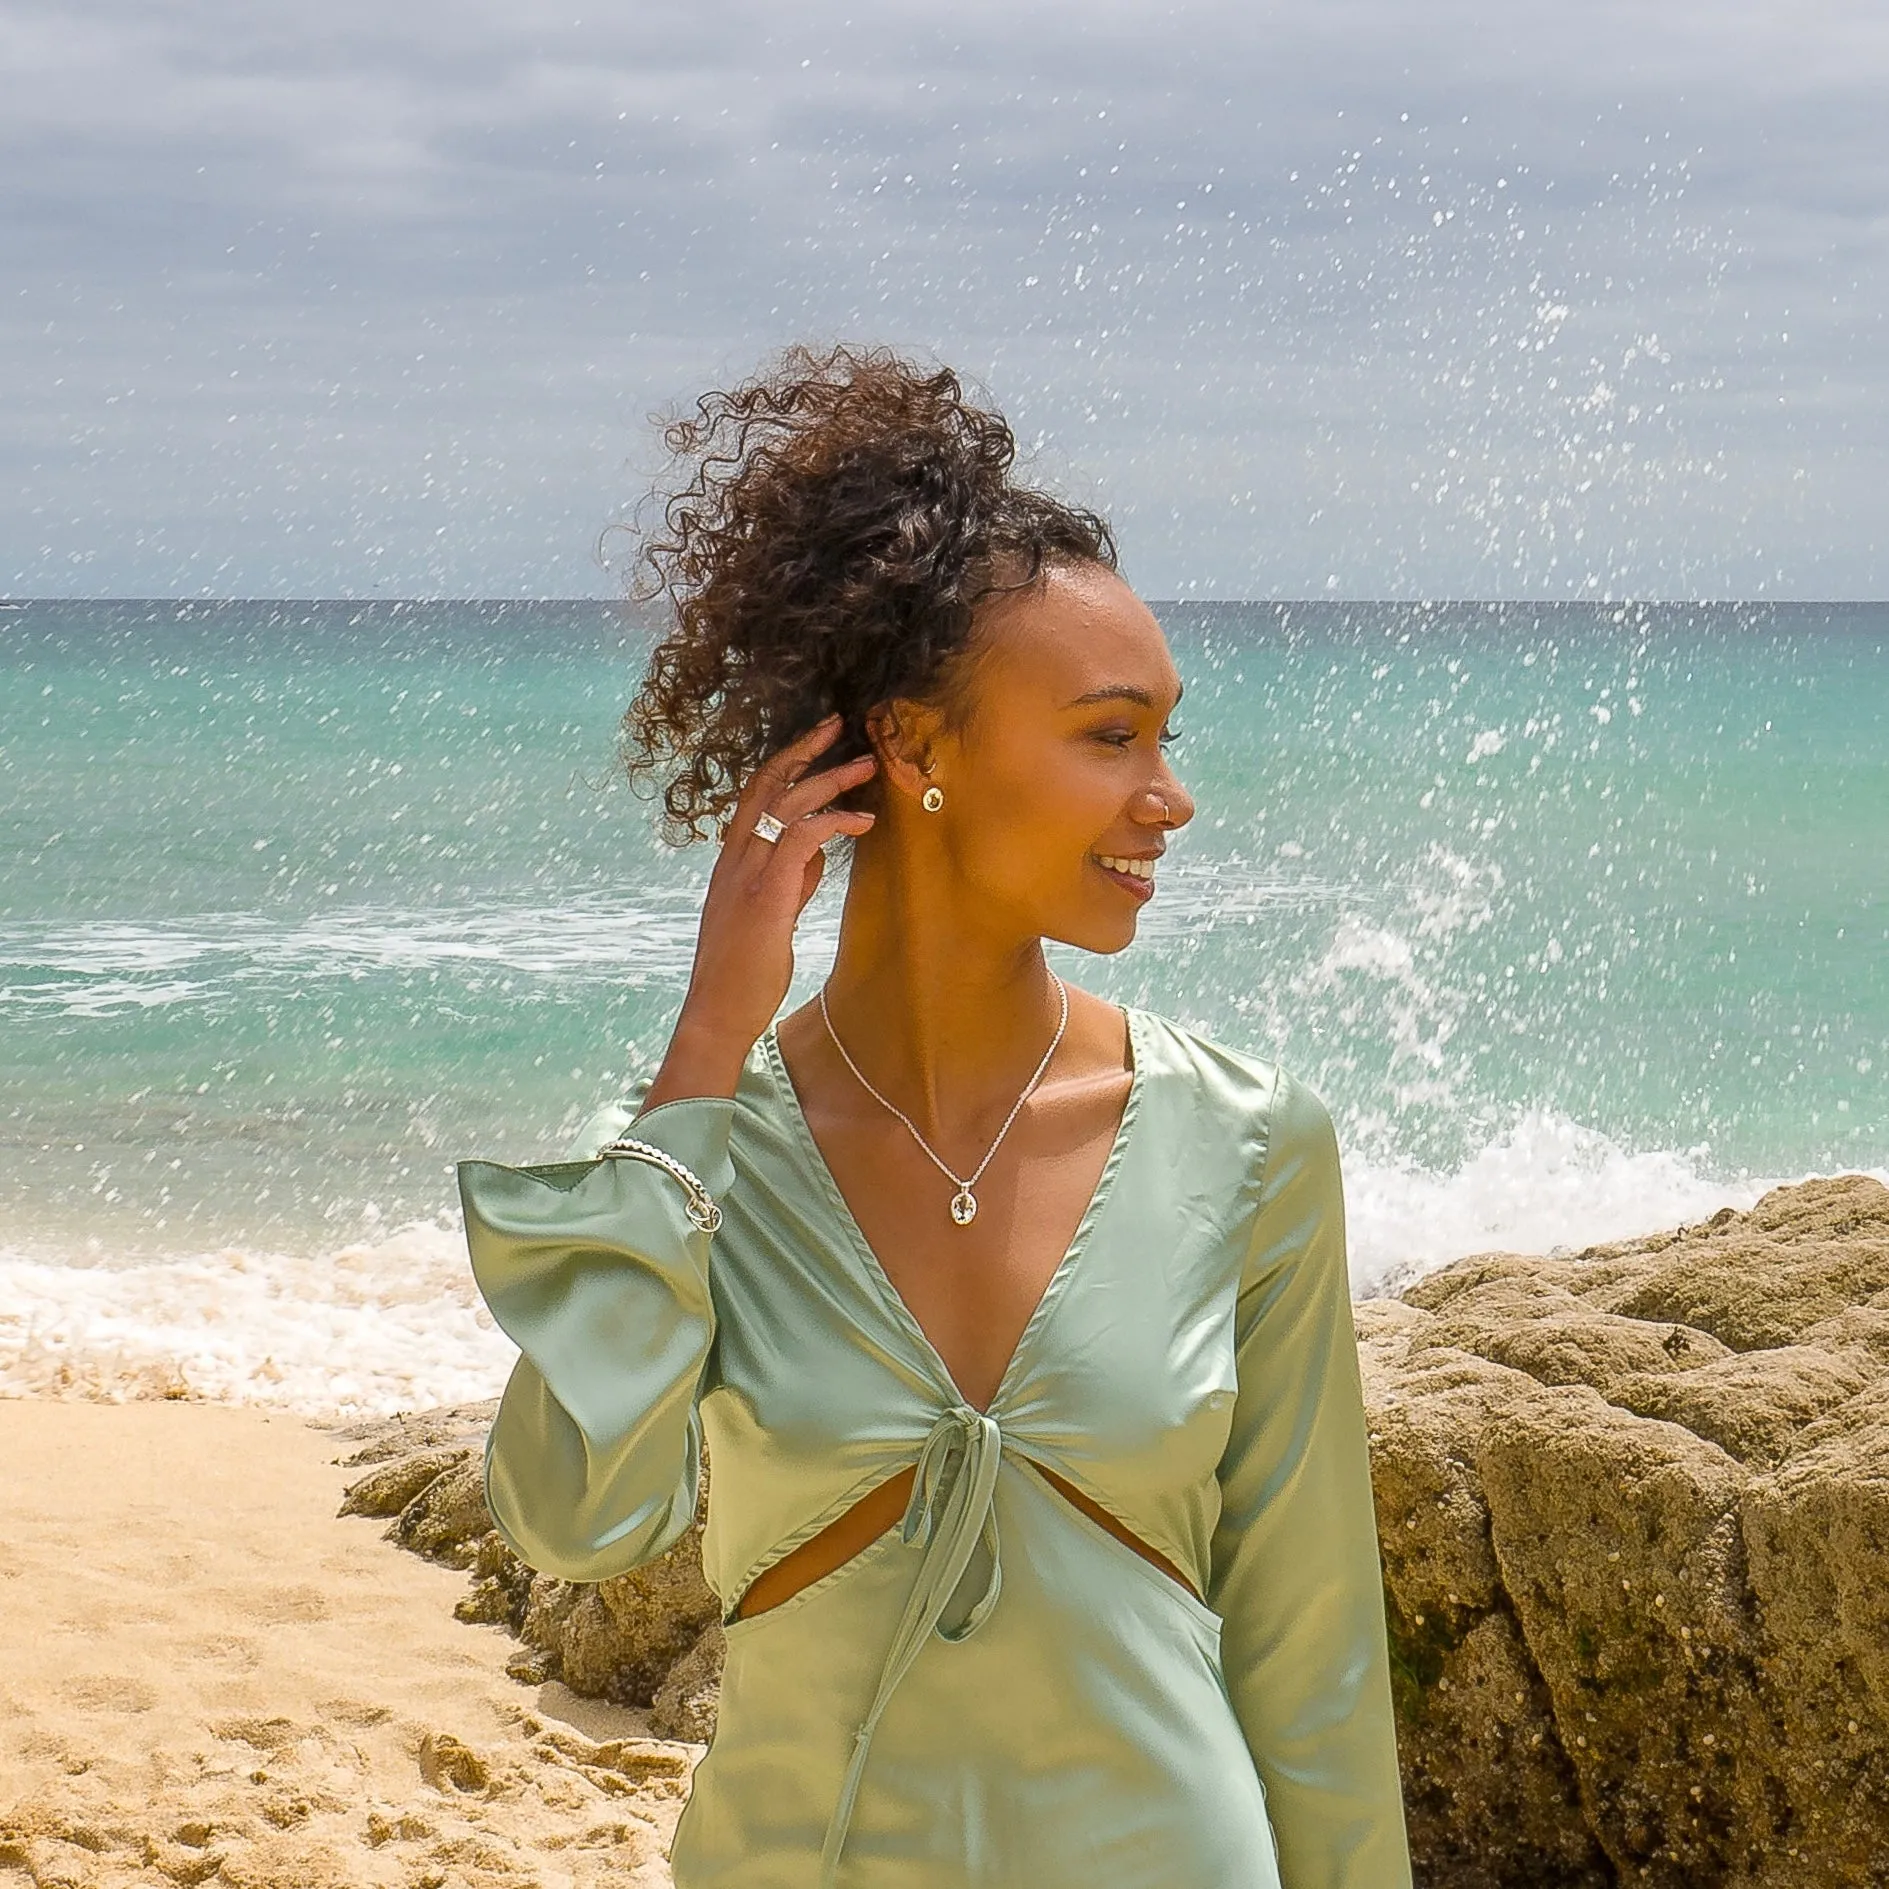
(206, 1676)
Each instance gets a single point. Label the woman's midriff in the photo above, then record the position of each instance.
(875, 1512)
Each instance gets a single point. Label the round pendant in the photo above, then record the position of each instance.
(963, 1207)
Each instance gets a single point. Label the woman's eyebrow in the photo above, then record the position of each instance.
(1116, 692)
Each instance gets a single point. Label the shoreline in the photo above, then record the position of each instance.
(390, 1321)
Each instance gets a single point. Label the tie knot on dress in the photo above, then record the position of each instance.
(953, 1509)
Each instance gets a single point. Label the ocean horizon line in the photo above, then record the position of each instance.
(1193, 602)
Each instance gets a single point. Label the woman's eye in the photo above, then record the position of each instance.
(1127, 737)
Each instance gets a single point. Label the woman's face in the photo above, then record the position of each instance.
(1058, 794)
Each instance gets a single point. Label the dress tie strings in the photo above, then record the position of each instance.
(952, 1508)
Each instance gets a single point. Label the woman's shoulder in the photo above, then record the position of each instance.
(1218, 1081)
(1180, 1050)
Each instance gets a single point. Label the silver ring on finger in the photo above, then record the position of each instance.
(768, 828)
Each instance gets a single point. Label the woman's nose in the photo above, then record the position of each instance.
(1168, 803)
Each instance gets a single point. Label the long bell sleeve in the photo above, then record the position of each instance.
(596, 1272)
(1296, 1571)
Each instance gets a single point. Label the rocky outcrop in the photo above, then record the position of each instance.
(1634, 1514)
(1634, 1510)
(651, 1637)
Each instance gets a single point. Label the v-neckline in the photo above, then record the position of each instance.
(875, 1270)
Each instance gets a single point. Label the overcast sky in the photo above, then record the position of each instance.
(1350, 299)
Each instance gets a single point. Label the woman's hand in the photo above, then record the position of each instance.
(744, 949)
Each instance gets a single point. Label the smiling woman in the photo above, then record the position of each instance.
(1017, 1324)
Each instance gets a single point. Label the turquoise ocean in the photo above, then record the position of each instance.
(1577, 916)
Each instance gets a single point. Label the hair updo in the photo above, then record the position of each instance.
(832, 527)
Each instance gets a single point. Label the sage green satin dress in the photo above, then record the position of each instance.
(996, 1692)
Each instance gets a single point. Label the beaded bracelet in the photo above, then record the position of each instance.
(701, 1207)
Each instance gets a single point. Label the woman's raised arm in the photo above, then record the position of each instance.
(596, 1270)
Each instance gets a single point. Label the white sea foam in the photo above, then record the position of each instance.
(106, 996)
(391, 1324)
(105, 968)
(1547, 1185)
(396, 1323)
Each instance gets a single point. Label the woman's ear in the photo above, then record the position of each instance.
(903, 734)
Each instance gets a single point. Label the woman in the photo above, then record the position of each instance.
(1017, 1325)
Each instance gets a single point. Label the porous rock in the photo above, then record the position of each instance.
(1540, 1328)
(1490, 1796)
(1817, 1535)
(684, 1705)
(446, 1426)
(1634, 1513)
(447, 1519)
(1752, 1404)
(388, 1489)
(619, 1639)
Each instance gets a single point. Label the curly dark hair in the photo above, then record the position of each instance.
(835, 522)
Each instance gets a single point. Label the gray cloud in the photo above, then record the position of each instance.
(1364, 301)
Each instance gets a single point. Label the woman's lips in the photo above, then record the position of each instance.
(1142, 889)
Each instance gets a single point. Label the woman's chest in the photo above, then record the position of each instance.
(972, 1260)
(1123, 1369)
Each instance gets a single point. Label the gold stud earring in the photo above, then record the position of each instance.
(931, 799)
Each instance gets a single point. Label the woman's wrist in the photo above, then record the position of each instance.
(701, 1061)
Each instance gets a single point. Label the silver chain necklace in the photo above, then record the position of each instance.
(963, 1202)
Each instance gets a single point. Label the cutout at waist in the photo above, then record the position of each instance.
(835, 1545)
(1110, 1524)
(879, 1509)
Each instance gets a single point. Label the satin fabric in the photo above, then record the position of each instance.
(996, 1691)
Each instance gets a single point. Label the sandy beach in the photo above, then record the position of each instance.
(209, 1675)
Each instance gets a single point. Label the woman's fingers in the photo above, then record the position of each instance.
(779, 771)
(812, 791)
(806, 836)
(800, 795)
(744, 945)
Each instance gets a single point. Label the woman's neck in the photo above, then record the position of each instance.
(946, 1013)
